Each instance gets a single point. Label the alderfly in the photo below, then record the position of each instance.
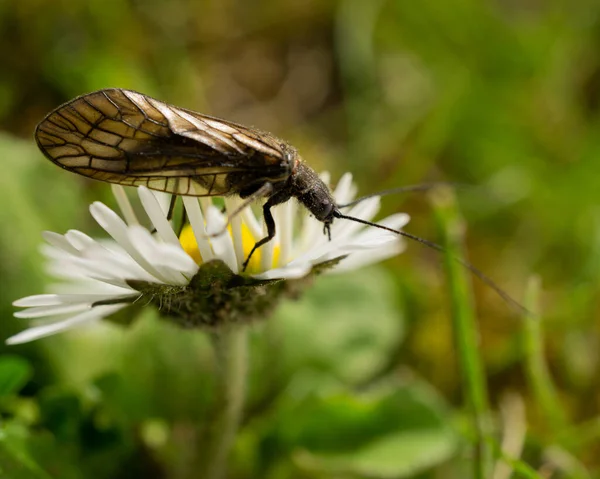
(121, 136)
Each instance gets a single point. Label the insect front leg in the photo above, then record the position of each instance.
(264, 190)
(270, 222)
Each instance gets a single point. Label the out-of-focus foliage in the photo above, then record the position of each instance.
(502, 96)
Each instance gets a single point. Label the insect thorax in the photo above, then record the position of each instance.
(267, 169)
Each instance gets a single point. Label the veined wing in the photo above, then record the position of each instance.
(121, 136)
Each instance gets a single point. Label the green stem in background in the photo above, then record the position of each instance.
(520, 468)
(231, 350)
(537, 372)
(464, 327)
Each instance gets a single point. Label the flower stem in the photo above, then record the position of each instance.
(231, 351)
(465, 329)
(538, 374)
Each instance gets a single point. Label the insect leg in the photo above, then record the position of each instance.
(270, 222)
(327, 230)
(264, 190)
(170, 215)
(171, 207)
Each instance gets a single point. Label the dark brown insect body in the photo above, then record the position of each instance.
(124, 137)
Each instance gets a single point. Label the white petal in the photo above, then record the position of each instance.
(347, 245)
(58, 299)
(310, 255)
(92, 290)
(157, 216)
(196, 218)
(42, 311)
(364, 258)
(359, 244)
(206, 203)
(266, 251)
(231, 205)
(177, 259)
(287, 272)
(38, 300)
(109, 220)
(79, 240)
(311, 233)
(345, 190)
(93, 256)
(53, 328)
(66, 270)
(154, 254)
(101, 264)
(124, 204)
(164, 200)
(54, 253)
(396, 222)
(222, 245)
(59, 241)
(365, 210)
(115, 227)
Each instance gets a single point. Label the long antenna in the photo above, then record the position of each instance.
(430, 244)
(404, 189)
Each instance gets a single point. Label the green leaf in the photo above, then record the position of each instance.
(392, 431)
(14, 373)
(393, 456)
(346, 326)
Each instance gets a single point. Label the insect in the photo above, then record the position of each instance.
(121, 136)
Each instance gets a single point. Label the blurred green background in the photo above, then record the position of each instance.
(500, 95)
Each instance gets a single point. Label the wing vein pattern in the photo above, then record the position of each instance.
(121, 136)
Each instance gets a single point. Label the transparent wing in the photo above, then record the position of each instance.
(121, 136)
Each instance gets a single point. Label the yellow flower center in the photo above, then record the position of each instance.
(190, 246)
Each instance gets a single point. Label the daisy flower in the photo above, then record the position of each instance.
(196, 279)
